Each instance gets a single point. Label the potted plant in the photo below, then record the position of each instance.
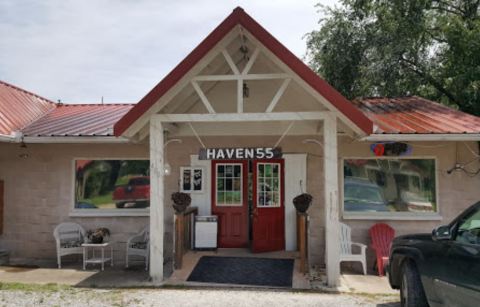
(98, 235)
(302, 202)
(181, 201)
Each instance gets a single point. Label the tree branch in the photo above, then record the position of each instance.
(421, 73)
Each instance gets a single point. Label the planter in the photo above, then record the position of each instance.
(97, 239)
(98, 236)
(302, 202)
(181, 201)
(179, 208)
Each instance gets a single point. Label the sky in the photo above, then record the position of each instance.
(79, 51)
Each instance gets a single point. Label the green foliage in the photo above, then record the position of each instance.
(401, 47)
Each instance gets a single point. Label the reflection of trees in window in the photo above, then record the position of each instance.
(97, 179)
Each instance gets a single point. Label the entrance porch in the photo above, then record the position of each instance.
(241, 89)
(305, 167)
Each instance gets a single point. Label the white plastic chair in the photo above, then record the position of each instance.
(69, 238)
(139, 245)
(346, 248)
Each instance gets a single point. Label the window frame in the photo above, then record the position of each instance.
(418, 216)
(102, 212)
(192, 170)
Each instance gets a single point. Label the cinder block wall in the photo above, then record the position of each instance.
(39, 191)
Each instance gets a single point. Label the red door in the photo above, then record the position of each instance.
(229, 201)
(268, 206)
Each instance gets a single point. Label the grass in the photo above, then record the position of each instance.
(14, 286)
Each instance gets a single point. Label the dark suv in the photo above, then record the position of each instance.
(442, 268)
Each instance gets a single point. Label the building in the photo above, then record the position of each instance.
(244, 126)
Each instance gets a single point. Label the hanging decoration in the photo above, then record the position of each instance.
(389, 149)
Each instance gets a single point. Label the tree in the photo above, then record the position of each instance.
(429, 48)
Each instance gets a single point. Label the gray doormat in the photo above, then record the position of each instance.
(244, 271)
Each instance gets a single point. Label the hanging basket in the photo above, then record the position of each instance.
(181, 201)
(302, 202)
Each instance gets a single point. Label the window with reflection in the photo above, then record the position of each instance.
(389, 185)
(268, 184)
(112, 184)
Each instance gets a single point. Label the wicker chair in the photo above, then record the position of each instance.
(139, 245)
(69, 238)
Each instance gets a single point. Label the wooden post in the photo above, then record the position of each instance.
(179, 239)
(332, 224)
(156, 200)
(302, 220)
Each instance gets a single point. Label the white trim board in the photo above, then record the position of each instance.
(295, 172)
(241, 117)
(422, 137)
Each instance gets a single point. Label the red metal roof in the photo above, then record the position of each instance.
(239, 17)
(416, 115)
(78, 120)
(18, 108)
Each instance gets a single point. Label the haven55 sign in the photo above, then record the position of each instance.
(239, 153)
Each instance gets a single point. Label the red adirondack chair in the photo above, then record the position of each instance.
(381, 235)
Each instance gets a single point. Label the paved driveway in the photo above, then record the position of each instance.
(53, 296)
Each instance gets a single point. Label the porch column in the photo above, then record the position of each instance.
(156, 200)
(332, 227)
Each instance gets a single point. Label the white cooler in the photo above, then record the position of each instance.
(206, 228)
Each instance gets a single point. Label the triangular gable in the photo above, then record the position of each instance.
(239, 17)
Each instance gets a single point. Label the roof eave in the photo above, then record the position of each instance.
(422, 137)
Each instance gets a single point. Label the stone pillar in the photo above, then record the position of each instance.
(156, 200)
(332, 226)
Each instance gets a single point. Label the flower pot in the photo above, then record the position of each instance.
(302, 202)
(179, 208)
(97, 239)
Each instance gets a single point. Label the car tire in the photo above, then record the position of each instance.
(411, 288)
(120, 205)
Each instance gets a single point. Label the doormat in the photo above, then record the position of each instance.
(244, 271)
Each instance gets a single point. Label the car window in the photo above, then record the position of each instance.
(469, 229)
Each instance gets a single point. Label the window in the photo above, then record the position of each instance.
(268, 185)
(112, 184)
(389, 185)
(191, 179)
(229, 184)
(469, 229)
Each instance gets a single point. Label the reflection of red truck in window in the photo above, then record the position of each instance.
(135, 194)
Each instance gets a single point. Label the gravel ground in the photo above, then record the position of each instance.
(183, 297)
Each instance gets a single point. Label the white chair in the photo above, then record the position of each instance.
(139, 245)
(346, 244)
(69, 238)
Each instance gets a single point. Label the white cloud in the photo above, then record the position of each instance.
(78, 51)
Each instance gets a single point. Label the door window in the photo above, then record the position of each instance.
(229, 185)
(469, 229)
(268, 185)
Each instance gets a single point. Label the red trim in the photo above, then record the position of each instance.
(238, 16)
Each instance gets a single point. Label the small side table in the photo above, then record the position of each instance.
(97, 260)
